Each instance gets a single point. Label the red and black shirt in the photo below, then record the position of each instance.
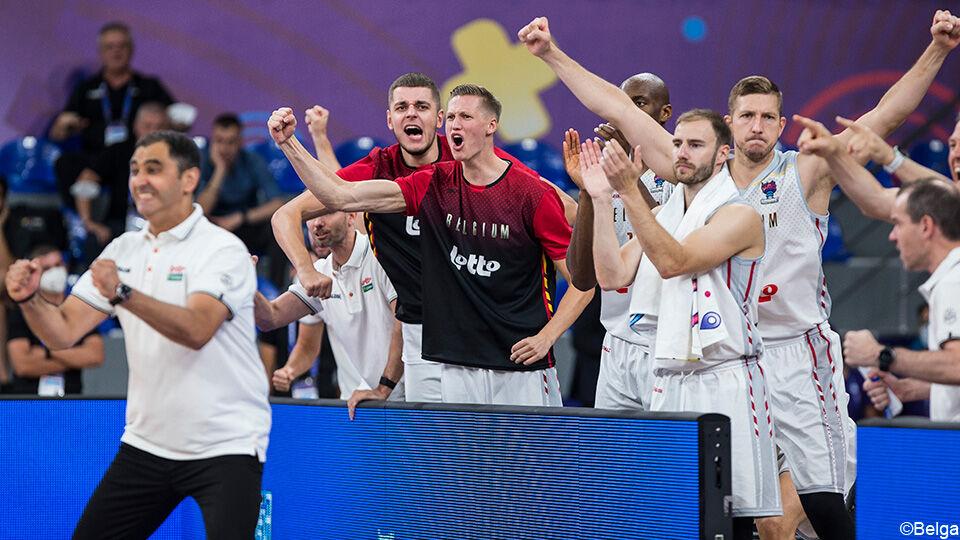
(488, 253)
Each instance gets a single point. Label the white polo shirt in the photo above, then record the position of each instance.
(942, 293)
(358, 316)
(185, 404)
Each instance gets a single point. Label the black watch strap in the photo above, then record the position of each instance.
(123, 294)
(388, 383)
(885, 358)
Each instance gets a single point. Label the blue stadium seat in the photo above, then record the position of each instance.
(356, 149)
(932, 154)
(27, 163)
(544, 159)
(286, 176)
(833, 248)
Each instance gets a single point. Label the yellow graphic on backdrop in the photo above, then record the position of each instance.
(509, 71)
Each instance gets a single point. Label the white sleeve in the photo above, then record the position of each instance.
(315, 304)
(947, 317)
(228, 275)
(85, 290)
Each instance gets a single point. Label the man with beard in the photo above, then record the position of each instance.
(493, 233)
(626, 375)
(364, 334)
(792, 193)
(414, 116)
(696, 259)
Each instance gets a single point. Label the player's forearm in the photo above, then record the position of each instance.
(264, 211)
(288, 231)
(325, 154)
(85, 355)
(265, 315)
(941, 366)
(572, 304)
(182, 325)
(305, 351)
(903, 97)
(325, 185)
(663, 250)
(48, 322)
(580, 250)
(33, 362)
(394, 368)
(612, 104)
(873, 200)
(610, 271)
(911, 171)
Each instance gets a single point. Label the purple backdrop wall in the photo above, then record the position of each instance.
(829, 58)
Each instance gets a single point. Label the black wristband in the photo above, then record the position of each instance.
(388, 383)
(27, 299)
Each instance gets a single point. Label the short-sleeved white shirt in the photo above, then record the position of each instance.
(942, 293)
(184, 404)
(357, 314)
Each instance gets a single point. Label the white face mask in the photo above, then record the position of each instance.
(54, 280)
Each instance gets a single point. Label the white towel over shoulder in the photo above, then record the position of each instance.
(676, 301)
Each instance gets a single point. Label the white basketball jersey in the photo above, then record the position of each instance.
(615, 305)
(793, 293)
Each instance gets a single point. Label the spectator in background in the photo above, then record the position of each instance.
(111, 170)
(102, 108)
(37, 369)
(238, 192)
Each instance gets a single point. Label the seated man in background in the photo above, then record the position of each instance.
(111, 170)
(38, 370)
(238, 192)
(102, 108)
(365, 335)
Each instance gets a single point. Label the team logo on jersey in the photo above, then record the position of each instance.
(476, 264)
(710, 321)
(413, 226)
(366, 285)
(770, 190)
(657, 185)
(176, 273)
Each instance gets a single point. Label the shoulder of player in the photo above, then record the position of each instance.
(207, 238)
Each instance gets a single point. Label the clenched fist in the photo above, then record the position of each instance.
(282, 125)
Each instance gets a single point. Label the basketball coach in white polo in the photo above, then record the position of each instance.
(197, 418)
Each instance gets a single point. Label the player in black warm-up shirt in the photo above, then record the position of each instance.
(489, 330)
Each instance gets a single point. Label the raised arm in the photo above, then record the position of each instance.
(334, 192)
(317, 118)
(874, 200)
(287, 224)
(615, 266)
(603, 98)
(905, 95)
(897, 103)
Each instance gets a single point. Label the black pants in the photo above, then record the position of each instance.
(139, 491)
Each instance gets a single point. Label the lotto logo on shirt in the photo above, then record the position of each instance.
(366, 285)
(476, 265)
